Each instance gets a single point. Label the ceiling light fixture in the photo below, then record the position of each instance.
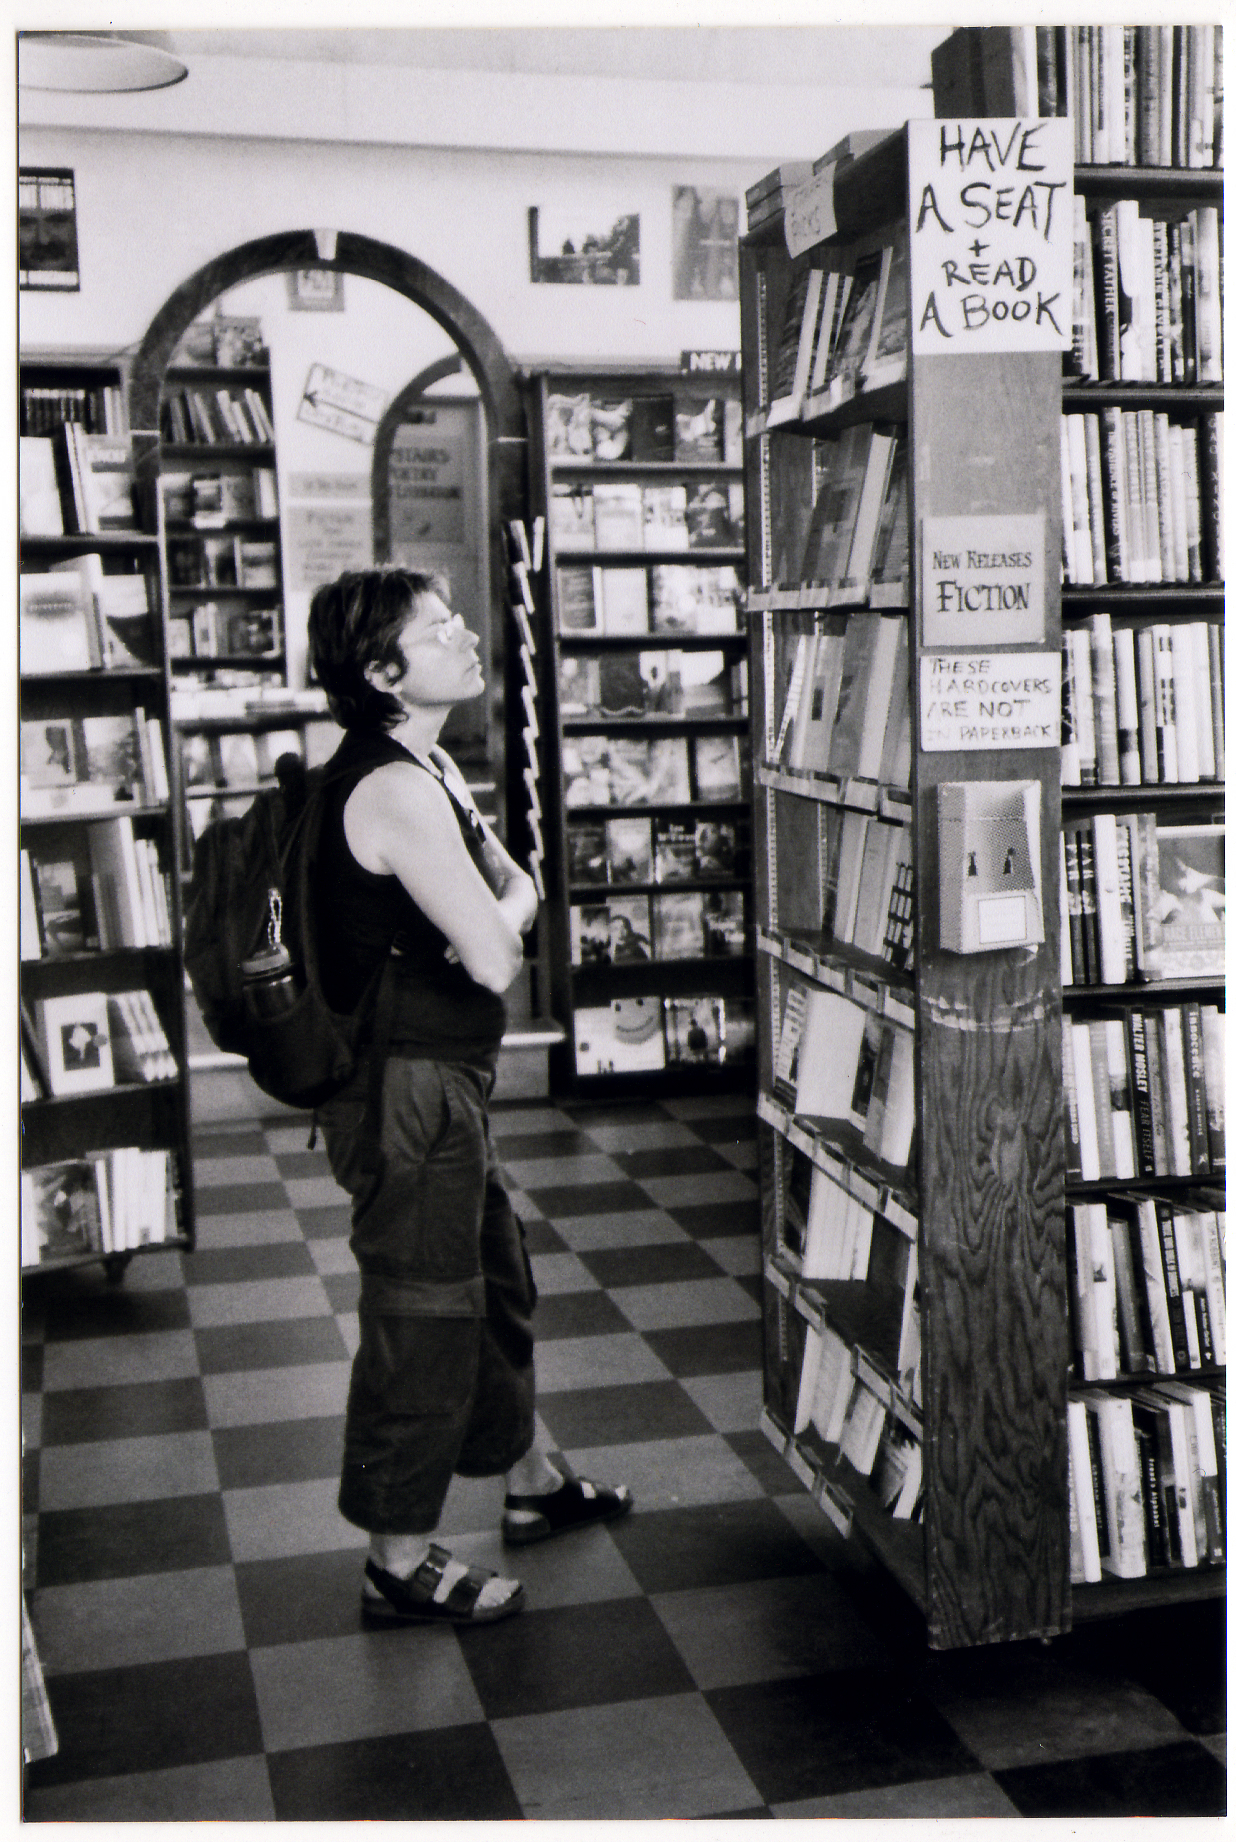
(93, 63)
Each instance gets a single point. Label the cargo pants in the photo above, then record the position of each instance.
(443, 1381)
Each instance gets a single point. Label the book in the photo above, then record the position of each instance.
(699, 429)
(628, 850)
(61, 1213)
(709, 1030)
(618, 509)
(716, 768)
(621, 1037)
(586, 852)
(724, 920)
(674, 850)
(1182, 897)
(80, 765)
(665, 518)
(678, 920)
(39, 510)
(76, 1043)
(616, 931)
(853, 340)
(689, 598)
(713, 513)
(621, 600)
(578, 606)
(56, 630)
(61, 905)
(571, 518)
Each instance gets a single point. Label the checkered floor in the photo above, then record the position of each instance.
(720, 1653)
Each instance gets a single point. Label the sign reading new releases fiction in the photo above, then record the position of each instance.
(991, 229)
(984, 579)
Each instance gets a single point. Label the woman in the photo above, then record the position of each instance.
(443, 1381)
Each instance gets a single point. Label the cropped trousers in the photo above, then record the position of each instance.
(443, 1381)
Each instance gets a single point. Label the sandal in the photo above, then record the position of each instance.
(575, 1505)
(415, 1600)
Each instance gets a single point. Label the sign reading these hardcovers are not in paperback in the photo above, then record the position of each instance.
(991, 235)
(998, 700)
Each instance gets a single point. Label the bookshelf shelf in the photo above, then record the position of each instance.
(1156, 793)
(1152, 184)
(668, 470)
(890, 1191)
(618, 559)
(891, 803)
(158, 811)
(1164, 599)
(193, 451)
(869, 981)
(655, 725)
(218, 374)
(79, 543)
(668, 466)
(661, 640)
(1078, 995)
(1178, 1586)
(1177, 397)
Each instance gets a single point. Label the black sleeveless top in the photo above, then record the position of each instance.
(440, 1011)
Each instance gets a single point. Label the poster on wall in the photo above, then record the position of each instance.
(315, 290)
(323, 540)
(704, 253)
(47, 229)
(582, 243)
(425, 481)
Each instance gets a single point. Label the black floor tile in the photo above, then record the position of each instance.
(300, 1599)
(31, 1368)
(563, 1144)
(726, 1128)
(702, 1219)
(541, 1238)
(709, 1349)
(223, 1266)
(29, 1483)
(1182, 1779)
(136, 1410)
(720, 1544)
(752, 1284)
(343, 1290)
(575, 1656)
(563, 1199)
(87, 1309)
(659, 1264)
(255, 1455)
(449, 1774)
(621, 1415)
(616, 1113)
(765, 1465)
(240, 1198)
(853, 1730)
(1179, 1653)
(577, 1314)
(151, 1717)
(115, 1540)
(332, 1220)
(246, 1143)
(282, 1344)
(670, 1161)
(302, 1163)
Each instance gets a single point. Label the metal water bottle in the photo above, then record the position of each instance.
(271, 986)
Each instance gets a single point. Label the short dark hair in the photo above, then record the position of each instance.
(354, 623)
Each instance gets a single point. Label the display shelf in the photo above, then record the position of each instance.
(1150, 184)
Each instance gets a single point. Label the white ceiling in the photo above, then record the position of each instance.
(834, 57)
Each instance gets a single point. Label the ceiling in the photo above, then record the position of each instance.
(821, 56)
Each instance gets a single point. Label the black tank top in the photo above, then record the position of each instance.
(440, 1011)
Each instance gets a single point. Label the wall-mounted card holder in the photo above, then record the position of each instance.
(990, 867)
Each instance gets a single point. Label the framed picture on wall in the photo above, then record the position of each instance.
(315, 290)
(583, 244)
(47, 229)
(705, 245)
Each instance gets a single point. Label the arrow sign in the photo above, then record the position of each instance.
(345, 405)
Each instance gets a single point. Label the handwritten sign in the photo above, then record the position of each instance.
(328, 486)
(346, 406)
(984, 580)
(991, 235)
(999, 701)
(809, 213)
(324, 540)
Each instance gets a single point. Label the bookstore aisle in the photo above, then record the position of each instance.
(194, 1592)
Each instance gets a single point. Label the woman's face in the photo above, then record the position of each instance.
(439, 655)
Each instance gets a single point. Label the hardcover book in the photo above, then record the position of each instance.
(621, 1037)
(629, 850)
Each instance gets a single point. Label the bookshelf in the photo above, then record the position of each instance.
(637, 486)
(1147, 1197)
(106, 1169)
(920, 1309)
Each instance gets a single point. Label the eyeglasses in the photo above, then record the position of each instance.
(446, 632)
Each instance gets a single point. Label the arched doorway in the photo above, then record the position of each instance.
(477, 344)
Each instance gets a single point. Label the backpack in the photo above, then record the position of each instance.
(251, 891)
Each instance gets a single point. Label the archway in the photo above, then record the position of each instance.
(351, 253)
